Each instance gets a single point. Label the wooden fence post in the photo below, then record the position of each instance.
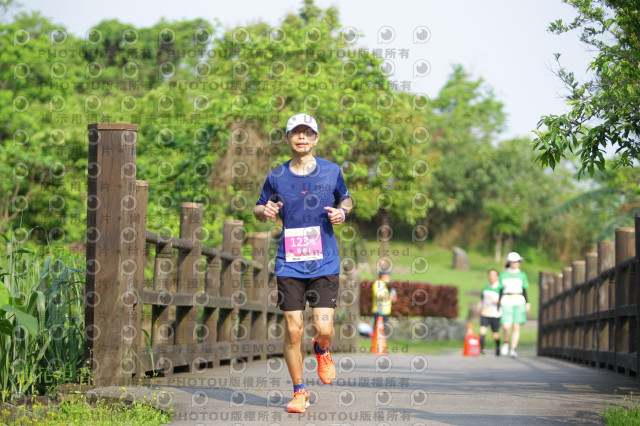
(353, 313)
(606, 256)
(110, 205)
(591, 272)
(559, 333)
(345, 327)
(577, 278)
(140, 228)
(275, 317)
(624, 250)
(567, 275)
(551, 292)
(544, 310)
(189, 273)
(541, 310)
(606, 260)
(232, 239)
(636, 286)
(260, 253)
(567, 310)
(162, 333)
(131, 270)
(243, 301)
(578, 274)
(210, 315)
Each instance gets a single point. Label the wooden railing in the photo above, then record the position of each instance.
(589, 314)
(203, 306)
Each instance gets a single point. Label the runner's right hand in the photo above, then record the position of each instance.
(272, 209)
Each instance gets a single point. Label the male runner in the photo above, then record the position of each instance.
(310, 196)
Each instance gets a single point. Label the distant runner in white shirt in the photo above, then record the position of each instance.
(489, 311)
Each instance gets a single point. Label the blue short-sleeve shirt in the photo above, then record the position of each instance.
(304, 198)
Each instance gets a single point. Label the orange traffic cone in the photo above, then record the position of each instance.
(471, 343)
(379, 343)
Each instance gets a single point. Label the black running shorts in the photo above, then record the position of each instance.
(320, 292)
(490, 321)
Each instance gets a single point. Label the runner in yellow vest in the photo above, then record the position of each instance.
(382, 297)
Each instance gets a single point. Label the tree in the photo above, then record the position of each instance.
(366, 127)
(605, 109)
(31, 150)
(613, 202)
(467, 120)
(210, 112)
(518, 194)
(507, 221)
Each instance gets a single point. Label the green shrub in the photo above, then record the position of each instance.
(415, 299)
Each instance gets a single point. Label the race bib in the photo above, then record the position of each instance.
(302, 244)
(512, 285)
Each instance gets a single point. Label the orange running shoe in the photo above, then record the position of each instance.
(300, 402)
(326, 369)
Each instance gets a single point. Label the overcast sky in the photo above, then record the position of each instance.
(503, 41)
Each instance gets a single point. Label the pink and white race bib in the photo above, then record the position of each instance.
(302, 244)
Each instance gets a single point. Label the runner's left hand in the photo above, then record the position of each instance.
(336, 216)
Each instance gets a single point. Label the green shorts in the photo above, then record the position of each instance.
(513, 315)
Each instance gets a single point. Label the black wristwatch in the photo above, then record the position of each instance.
(346, 213)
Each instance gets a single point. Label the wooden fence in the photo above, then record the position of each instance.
(590, 312)
(204, 305)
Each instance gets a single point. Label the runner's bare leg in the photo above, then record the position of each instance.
(515, 336)
(323, 326)
(506, 328)
(292, 344)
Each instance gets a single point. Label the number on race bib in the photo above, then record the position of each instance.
(301, 244)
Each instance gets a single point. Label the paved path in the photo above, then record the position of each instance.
(397, 389)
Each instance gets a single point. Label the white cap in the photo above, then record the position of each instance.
(514, 257)
(302, 119)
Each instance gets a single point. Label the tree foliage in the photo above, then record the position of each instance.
(211, 104)
(605, 110)
(467, 120)
(613, 201)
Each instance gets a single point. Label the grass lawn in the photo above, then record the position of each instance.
(439, 271)
(78, 410)
(526, 347)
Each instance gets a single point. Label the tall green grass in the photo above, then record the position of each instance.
(627, 413)
(41, 320)
(79, 409)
